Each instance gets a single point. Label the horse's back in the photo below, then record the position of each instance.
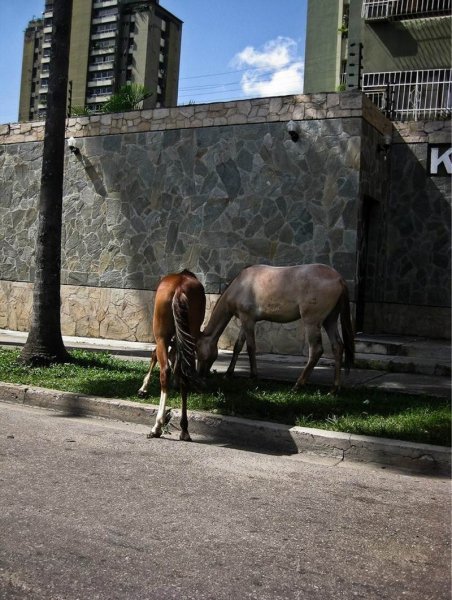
(193, 290)
(301, 278)
(177, 284)
(286, 293)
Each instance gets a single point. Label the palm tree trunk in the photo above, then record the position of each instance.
(45, 343)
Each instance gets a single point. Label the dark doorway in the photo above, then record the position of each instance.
(367, 264)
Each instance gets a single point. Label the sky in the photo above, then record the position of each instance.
(230, 50)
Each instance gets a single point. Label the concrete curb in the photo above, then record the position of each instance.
(262, 435)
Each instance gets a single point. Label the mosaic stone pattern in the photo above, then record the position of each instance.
(217, 187)
(213, 199)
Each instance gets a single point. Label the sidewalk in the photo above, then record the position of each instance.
(271, 366)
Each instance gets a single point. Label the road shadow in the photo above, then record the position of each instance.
(257, 441)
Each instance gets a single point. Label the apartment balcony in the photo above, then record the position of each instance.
(100, 82)
(104, 35)
(411, 95)
(106, 19)
(102, 51)
(101, 66)
(99, 97)
(104, 3)
(387, 10)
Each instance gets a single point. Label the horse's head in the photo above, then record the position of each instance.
(207, 353)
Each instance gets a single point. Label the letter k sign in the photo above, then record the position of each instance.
(440, 160)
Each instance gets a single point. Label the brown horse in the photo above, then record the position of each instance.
(180, 305)
(315, 293)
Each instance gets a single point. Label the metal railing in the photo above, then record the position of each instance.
(399, 9)
(411, 95)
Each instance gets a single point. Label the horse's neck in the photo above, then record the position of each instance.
(221, 315)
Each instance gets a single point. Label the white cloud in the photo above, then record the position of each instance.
(274, 70)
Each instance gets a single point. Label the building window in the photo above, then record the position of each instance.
(104, 28)
(107, 74)
(101, 91)
(105, 12)
(102, 58)
(102, 44)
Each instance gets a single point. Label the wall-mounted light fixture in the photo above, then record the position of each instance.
(73, 145)
(293, 130)
(385, 145)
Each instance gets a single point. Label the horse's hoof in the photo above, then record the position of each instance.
(185, 437)
(141, 394)
(153, 434)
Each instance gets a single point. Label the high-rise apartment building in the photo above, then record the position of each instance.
(113, 42)
(397, 51)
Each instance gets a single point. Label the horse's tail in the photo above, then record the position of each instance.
(347, 329)
(185, 364)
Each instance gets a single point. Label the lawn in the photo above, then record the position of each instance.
(361, 411)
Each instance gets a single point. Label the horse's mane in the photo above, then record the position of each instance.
(229, 283)
(217, 303)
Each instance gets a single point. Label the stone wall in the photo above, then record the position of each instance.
(211, 187)
(240, 112)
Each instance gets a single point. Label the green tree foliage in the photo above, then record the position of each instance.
(128, 97)
(81, 111)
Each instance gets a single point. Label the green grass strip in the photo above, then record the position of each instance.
(361, 411)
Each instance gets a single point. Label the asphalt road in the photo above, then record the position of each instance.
(92, 509)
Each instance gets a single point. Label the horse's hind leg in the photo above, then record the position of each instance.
(337, 346)
(237, 348)
(144, 388)
(314, 338)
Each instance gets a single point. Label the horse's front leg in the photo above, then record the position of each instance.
(237, 349)
(162, 357)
